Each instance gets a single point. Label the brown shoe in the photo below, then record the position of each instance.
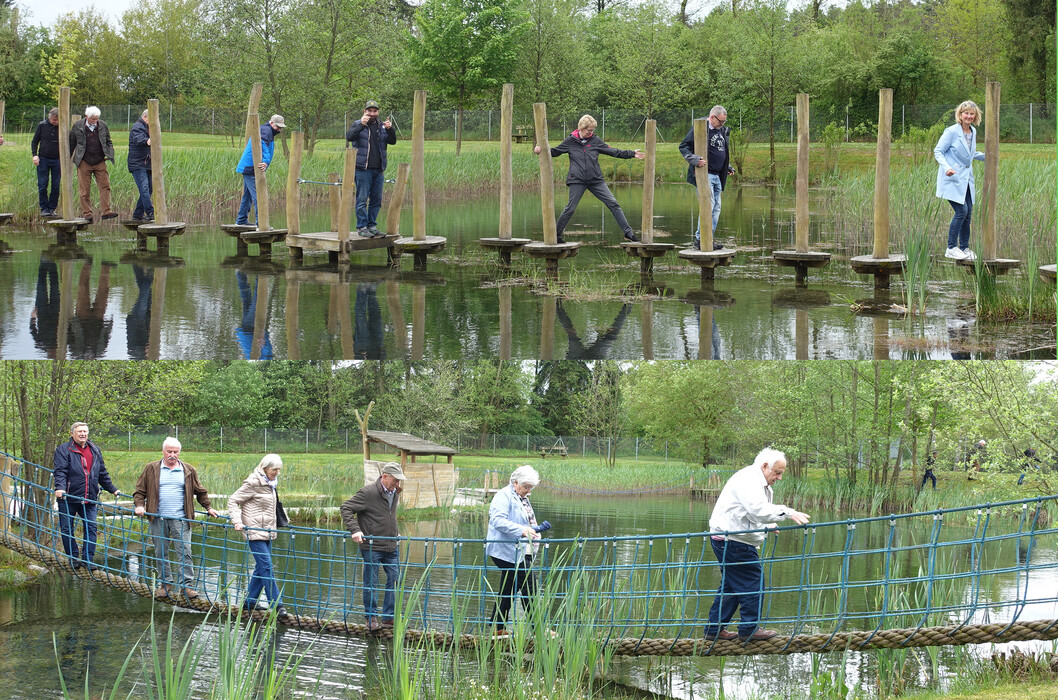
(373, 624)
(190, 593)
(722, 635)
(161, 593)
(387, 623)
(758, 636)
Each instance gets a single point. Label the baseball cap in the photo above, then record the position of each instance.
(277, 119)
(393, 469)
(371, 104)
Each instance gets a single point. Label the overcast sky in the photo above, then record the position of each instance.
(47, 11)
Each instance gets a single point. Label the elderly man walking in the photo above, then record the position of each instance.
(92, 147)
(370, 514)
(79, 473)
(245, 167)
(45, 150)
(717, 162)
(165, 493)
(745, 503)
(140, 167)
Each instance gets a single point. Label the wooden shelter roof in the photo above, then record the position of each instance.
(409, 443)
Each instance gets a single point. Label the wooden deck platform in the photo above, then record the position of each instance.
(246, 235)
(999, 266)
(150, 258)
(66, 229)
(1047, 272)
(261, 265)
(801, 262)
(160, 232)
(504, 246)
(709, 260)
(328, 241)
(4, 218)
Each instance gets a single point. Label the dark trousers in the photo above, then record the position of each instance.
(959, 229)
(72, 510)
(927, 477)
(368, 196)
(144, 205)
(249, 199)
(741, 587)
(48, 169)
(513, 578)
(603, 194)
(390, 563)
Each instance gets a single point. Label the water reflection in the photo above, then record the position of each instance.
(252, 331)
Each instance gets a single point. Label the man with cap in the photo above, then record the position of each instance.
(245, 167)
(370, 137)
(371, 518)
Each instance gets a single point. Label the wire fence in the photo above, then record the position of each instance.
(1021, 123)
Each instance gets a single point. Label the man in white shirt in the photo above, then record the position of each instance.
(745, 503)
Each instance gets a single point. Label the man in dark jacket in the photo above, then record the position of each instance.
(372, 513)
(718, 161)
(370, 137)
(45, 150)
(79, 472)
(140, 167)
(584, 147)
(92, 147)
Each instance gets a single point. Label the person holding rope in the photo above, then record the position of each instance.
(254, 512)
(745, 503)
(584, 147)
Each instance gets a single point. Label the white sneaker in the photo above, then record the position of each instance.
(954, 254)
(969, 255)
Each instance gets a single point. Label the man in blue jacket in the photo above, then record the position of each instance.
(245, 167)
(370, 137)
(140, 167)
(79, 472)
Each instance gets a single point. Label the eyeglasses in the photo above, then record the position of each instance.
(719, 121)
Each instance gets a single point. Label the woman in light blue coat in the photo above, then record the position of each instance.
(955, 153)
(512, 543)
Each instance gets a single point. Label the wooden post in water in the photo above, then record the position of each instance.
(343, 308)
(297, 145)
(547, 175)
(418, 166)
(506, 167)
(646, 319)
(505, 322)
(649, 170)
(881, 173)
(154, 126)
(253, 123)
(801, 221)
(348, 200)
(418, 321)
(547, 327)
(988, 195)
(66, 171)
(801, 334)
(291, 318)
(396, 200)
(396, 313)
(260, 317)
(705, 191)
(705, 329)
(154, 332)
(335, 200)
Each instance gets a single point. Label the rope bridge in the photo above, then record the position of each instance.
(947, 577)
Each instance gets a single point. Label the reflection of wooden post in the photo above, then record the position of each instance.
(260, 318)
(396, 312)
(506, 177)
(418, 320)
(646, 311)
(801, 333)
(154, 126)
(297, 144)
(705, 330)
(65, 307)
(396, 200)
(881, 337)
(66, 171)
(505, 322)
(705, 190)
(345, 320)
(336, 200)
(157, 309)
(346, 210)
(651, 148)
(293, 295)
(988, 197)
(801, 207)
(547, 175)
(881, 173)
(418, 166)
(547, 328)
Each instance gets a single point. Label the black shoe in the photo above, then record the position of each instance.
(47, 212)
(111, 215)
(363, 232)
(137, 218)
(373, 232)
(77, 565)
(91, 566)
(281, 612)
(718, 246)
(631, 236)
(89, 219)
(560, 239)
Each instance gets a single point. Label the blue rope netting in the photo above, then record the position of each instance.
(957, 566)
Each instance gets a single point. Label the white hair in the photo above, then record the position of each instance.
(270, 461)
(77, 425)
(770, 456)
(717, 110)
(90, 112)
(525, 476)
(145, 113)
(171, 442)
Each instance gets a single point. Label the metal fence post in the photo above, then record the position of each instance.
(1030, 122)
(637, 448)
(266, 439)
(170, 118)
(792, 122)
(455, 124)
(130, 438)
(846, 123)
(490, 125)
(306, 440)
(128, 117)
(527, 444)
(222, 438)
(603, 137)
(902, 113)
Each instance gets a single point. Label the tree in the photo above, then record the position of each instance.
(466, 48)
(554, 64)
(165, 49)
(978, 36)
(599, 412)
(556, 385)
(1032, 29)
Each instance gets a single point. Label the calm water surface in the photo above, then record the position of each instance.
(100, 300)
(95, 627)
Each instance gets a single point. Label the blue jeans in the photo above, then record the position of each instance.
(390, 562)
(367, 333)
(714, 185)
(741, 587)
(48, 169)
(959, 230)
(144, 205)
(176, 534)
(368, 196)
(262, 579)
(72, 509)
(249, 198)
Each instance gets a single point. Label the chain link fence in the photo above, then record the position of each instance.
(1021, 123)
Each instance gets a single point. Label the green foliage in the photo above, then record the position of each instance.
(232, 395)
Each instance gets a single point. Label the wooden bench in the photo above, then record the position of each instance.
(554, 450)
(521, 134)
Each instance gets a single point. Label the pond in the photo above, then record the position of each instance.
(95, 627)
(99, 300)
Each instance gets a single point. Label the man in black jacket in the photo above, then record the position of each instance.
(79, 472)
(92, 147)
(584, 147)
(370, 137)
(140, 167)
(45, 150)
(372, 513)
(718, 161)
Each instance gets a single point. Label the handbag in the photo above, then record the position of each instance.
(281, 515)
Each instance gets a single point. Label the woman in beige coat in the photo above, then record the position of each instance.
(253, 512)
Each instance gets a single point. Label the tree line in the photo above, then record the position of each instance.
(316, 56)
(858, 420)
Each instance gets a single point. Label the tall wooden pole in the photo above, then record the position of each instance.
(881, 173)
(258, 175)
(506, 167)
(705, 190)
(547, 175)
(991, 169)
(396, 200)
(348, 200)
(297, 145)
(154, 127)
(801, 207)
(66, 172)
(336, 200)
(651, 148)
(418, 166)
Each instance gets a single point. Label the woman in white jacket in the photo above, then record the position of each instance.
(955, 153)
(253, 506)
